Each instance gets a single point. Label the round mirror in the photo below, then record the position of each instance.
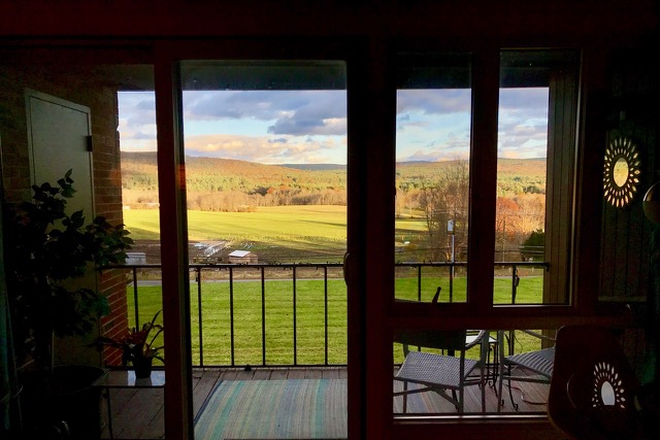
(621, 173)
(608, 387)
(607, 394)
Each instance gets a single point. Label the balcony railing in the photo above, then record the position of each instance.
(238, 308)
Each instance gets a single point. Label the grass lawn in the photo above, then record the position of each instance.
(275, 224)
(308, 317)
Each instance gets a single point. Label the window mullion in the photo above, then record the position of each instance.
(483, 178)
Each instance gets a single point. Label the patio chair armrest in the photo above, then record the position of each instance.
(539, 335)
(476, 340)
(436, 296)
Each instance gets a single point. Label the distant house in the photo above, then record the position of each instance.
(242, 257)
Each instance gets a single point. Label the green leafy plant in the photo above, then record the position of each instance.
(47, 250)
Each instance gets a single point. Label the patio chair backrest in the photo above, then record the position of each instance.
(439, 339)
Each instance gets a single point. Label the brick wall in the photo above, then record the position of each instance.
(88, 87)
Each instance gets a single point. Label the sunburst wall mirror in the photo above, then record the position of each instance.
(621, 173)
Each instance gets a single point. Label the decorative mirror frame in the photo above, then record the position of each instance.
(621, 151)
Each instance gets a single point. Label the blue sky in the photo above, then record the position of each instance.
(276, 127)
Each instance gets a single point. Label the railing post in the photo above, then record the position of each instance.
(325, 303)
(514, 283)
(295, 329)
(263, 316)
(451, 282)
(135, 299)
(231, 315)
(199, 315)
(419, 282)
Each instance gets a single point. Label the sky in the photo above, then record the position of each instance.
(307, 127)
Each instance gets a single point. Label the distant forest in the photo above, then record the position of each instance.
(232, 185)
(434, 191)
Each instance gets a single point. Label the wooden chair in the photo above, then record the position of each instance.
(445, 374)
(593, 387)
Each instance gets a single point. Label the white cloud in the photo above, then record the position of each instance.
(311, 126)
(437, 101)
(306, 112)
(264, 149)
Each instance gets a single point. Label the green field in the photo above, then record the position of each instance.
(279, 317)
(306, 231)
(310, 233)
(279, 225)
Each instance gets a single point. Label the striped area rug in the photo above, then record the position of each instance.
(274, 409)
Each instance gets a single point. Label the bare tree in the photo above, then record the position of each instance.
(444, 200)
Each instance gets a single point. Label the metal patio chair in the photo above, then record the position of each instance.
(537, 365)
(445, 374)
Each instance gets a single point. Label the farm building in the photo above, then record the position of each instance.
(243, 257)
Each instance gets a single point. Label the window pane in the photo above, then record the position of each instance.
(432, 177)
(265, 146)
(535, 113)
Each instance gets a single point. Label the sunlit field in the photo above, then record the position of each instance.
(301, 230)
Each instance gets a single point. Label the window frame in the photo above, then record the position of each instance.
(371, 116)
(565, 159)
(576, 249)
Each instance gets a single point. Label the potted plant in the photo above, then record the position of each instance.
(137, 349)
(47, 250)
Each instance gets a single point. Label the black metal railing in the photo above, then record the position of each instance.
(232, 274)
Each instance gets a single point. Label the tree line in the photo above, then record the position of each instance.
(436, 193)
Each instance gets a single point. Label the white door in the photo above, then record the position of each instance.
(58, 133)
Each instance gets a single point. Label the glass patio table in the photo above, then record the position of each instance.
(126, 379)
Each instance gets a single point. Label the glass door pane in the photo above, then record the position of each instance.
(432, 177)
(265, 145)
(536, 132)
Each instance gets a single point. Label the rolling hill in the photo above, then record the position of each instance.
(205, 174)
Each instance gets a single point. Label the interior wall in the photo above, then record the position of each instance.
(82, 86)
(627, 273)
(626, 233)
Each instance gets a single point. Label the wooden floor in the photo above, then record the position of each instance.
(139, 414)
